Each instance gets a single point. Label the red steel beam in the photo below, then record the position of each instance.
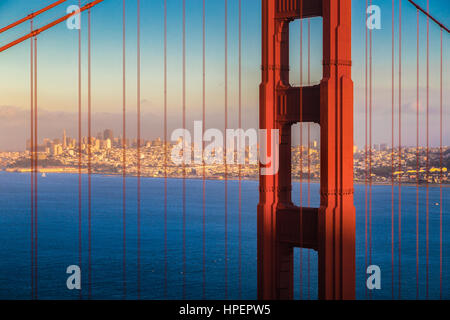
(48, 26)
(298, 9)
(31, 15)
(429, 16)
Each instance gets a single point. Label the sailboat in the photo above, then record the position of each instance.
(43, 175)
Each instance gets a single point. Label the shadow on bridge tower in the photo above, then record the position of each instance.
(330, 229)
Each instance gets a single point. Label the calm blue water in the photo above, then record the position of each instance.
(58, 239)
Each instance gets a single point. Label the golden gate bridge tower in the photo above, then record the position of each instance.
(330, 229)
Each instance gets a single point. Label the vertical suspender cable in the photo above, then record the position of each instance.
(79, 151)
(428, 148)
(240, 146)
(203, 147)
(441, 160)
(301, 150)
(32, 160)
(225, 149)
(184, 142)
(89, 160)
(165, 149)
(392, 152)
(124, 155)
(370, 144)
(417, 164)
(365, 147)
(400, 151)
(309, 156)
(138, 101)
(35, 174)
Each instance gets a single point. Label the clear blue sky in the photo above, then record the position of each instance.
(58, 62)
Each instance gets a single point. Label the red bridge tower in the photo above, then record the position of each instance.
(282, 226)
